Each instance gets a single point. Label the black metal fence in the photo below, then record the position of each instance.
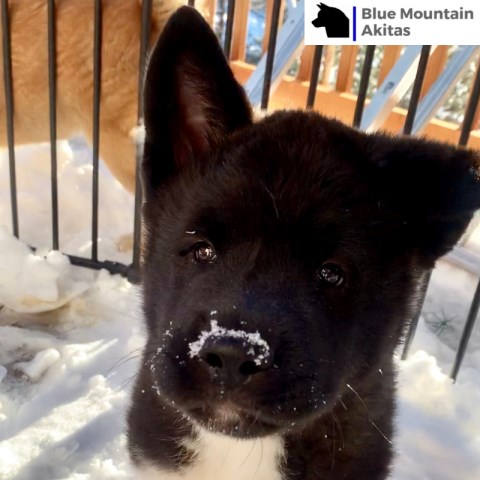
(132, 271)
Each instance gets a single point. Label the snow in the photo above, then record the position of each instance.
(70, 341)
(20, 271)
(34, 369)
(439, 422)
(258, 347)
(3, 373)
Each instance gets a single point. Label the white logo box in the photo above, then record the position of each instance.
(407, 22)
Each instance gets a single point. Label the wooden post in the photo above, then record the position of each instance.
(476, 120)
(346, 67)
(476, 117)
(305, 70)
(240, 28)
(435, 66)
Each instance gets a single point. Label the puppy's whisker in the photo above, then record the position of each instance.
(124, 384)
(260, 459)
(334, 442)
(273, 200)
(368, 413)
(338, 425)
(341, 402)
(126, 358)
(113, 369)
(325, 437)
(249, 453)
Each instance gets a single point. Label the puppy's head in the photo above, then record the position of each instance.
(282, 257)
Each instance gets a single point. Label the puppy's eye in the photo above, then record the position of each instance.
(204, 253)
(331, 275)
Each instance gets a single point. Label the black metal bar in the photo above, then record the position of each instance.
(227, 46)
(52, 95)
(312, 88)
(144, 45)
(414, 323)
(417, 89)
(144, 42)
(112, 267)
(191, 3)
(364, 81)
(464, 136)
(470, 110)
(475, 305)
(9, 109)
(467, 332)
(272, 43)
(407, 130)
(97, 72)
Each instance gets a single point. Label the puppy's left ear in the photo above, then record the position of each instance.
(433, 188)
(192, 101)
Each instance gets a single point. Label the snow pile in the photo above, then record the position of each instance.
(32, 283)
(70, 341)
(70, 338)
(258, 348)
(66, 377)
(34, 369)
(438, 423)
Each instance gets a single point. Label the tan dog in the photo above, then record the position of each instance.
(119, 79)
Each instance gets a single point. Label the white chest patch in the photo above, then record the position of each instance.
(223, 458)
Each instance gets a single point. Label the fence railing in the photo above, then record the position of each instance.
(309, 86)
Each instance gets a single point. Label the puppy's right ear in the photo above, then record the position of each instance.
(192, 100)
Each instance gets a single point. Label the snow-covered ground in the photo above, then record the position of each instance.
(70, 340)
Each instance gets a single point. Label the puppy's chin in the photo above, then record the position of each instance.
(228, 419)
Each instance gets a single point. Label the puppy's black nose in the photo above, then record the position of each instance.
(232, 361)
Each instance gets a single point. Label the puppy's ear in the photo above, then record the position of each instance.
(192, 100)
(433, 188)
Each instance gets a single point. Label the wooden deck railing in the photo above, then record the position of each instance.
(335, 98)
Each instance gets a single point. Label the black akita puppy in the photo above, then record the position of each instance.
(281, 263)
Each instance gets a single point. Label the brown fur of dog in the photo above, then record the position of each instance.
(74, 36)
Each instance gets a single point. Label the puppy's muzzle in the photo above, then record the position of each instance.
(231, 362)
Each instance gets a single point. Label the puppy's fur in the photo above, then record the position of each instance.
(298, 232)
(74, 41)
